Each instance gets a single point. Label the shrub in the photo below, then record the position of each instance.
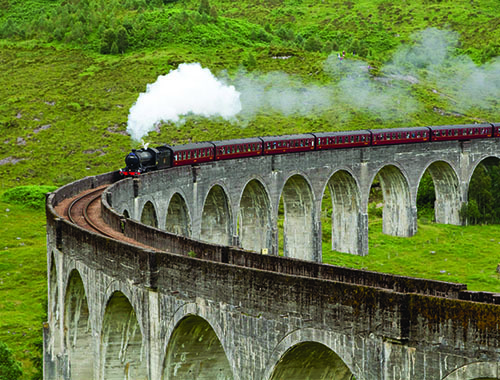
(10, 369)
(30, 196)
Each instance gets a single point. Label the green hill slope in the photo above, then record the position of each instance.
(71, 70)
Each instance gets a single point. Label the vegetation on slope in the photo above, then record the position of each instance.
(72, 69)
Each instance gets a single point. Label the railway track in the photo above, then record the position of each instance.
(85, 208)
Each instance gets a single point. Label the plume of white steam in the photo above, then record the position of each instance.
(190, 89)
(432, 58)
(281, 93)
(356, 88)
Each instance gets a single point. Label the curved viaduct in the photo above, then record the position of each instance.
(197, 306)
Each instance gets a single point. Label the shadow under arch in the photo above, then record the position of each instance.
(310, 360)
(447, 191)
(178, 221)
(122, 354)
(148, 215)
(476, 371)
(346, 198)
(398, 219)
(298, 234)
(216, 217)
(255, 217)
(482, 192)
(77, 328)
(195, 352)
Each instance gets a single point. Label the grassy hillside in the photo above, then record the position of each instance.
(71, 70)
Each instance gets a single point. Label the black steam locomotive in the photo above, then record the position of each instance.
(147, 159)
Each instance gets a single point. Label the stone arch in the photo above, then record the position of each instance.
(122, 351)
(473, 167)
(298, 201)
(310, 360)
(194, 351)
(476, 371)
(78, 332)
(448, 194)
(148, 215)
(399, 217)
(216, 217)
(178, 221)
(346, 226)
(330, 346)
(473, 170)
(255, 217)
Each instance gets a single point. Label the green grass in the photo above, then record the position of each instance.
(23, 281)
(468, 255)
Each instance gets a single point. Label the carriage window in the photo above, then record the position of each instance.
(455, 132)
(418, 134)
(175, 157)
(413, 134)
(425, 134)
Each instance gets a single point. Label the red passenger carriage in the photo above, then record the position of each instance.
(239, 148)
(193, 153)
(461, 132)
(288, 143)
(400, 135)
(348, 139)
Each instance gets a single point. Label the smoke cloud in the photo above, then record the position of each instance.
(190, 89)
(431, 59)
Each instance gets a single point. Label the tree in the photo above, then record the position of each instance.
(10, 369)
(122, 39)
(108, 38)
(313, 44)
(204, 7)
(250, 63)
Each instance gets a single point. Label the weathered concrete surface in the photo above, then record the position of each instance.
(233, 314)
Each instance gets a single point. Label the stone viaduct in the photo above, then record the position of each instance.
(202, 304)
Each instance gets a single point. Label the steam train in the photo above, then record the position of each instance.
(148, 159)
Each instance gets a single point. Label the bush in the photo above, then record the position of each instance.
(10, 369)
(30, 196)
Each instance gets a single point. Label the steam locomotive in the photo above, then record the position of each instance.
(148, 159)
